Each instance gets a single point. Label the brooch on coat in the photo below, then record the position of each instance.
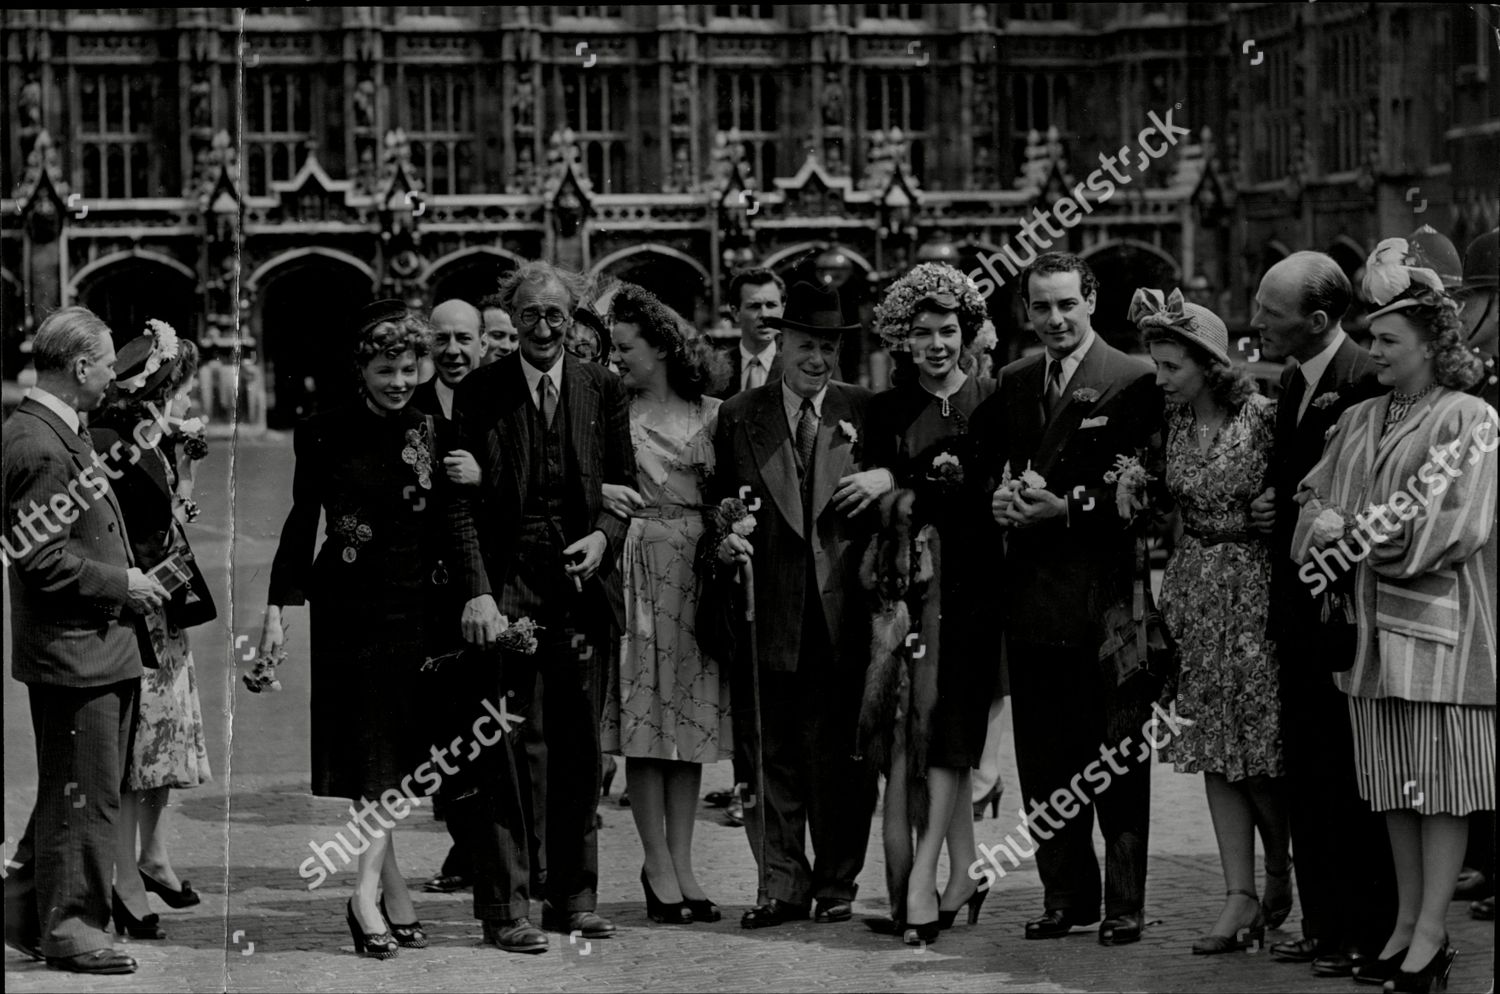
(418, 455)
(354, 533)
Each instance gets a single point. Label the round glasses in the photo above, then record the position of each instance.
(555, 317)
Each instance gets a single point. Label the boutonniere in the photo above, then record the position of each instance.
(847, 430)
(1326, 400)
(1085, 395)
(418, 456)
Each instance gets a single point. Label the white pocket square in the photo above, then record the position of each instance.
(1094, 422)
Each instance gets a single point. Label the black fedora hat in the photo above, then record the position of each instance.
(813, 310)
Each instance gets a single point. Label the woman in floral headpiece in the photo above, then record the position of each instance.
(140, 433)
(370, 468)
(918, 431)
(1405, 495)
(1215, 597)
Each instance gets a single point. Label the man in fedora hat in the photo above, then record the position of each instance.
(794, 445)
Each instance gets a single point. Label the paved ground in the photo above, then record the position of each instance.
(241, 839)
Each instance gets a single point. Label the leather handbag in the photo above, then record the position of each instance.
(1335, 639)
(191, 602)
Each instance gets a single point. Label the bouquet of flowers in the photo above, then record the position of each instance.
(194, 440)
(519, 635)
(263, 675)
(1130, 479)
(732, 516)
(1029, 479)
(946, 469)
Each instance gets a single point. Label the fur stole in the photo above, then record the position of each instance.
(902, 571)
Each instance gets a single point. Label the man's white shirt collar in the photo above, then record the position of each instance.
(792, 404)
(56, 405)
(765, 357)
(1314, 368)
(534, 379)
(1072, 360)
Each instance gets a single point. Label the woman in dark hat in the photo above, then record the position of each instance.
(918, 430)
(137, 433)
(1215, 598)
(370, 467)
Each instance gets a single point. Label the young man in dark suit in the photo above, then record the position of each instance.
(1345, 879)
(793, 445)
(76, 597)
(535, 540)
(1066, 413)
(757, 298)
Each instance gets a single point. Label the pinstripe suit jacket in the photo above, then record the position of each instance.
(71, 620)
(490, 422)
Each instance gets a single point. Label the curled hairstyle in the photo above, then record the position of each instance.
(1436, 318)
(1229, 387)
(392, 337)
(67, 335)
(1059, 262)
(694, 367)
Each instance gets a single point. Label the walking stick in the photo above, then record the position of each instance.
(747, 574)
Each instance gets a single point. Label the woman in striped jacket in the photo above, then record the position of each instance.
(1405, 497)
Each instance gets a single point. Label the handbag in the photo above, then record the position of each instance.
(191, 602)
(1335, 639)
(1136, 640)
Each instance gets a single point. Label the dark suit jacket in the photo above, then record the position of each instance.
(490, 422)
(732, 386)
(71, 622)
(1059, 576)
(753, 448)
(1350, 377)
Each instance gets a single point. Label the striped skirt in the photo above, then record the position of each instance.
(1424, 757)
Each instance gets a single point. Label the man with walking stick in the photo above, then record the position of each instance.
(793, 445)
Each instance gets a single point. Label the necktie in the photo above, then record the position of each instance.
(546, 393)
(1304, 392)
(755, 374)
(1053, 392)
(807, 436)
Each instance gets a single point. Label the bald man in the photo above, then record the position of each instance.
(1345, 878)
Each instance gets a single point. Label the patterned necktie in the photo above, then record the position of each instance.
(1053, 392)
(807, 435)
(547, 393)
(755, 374)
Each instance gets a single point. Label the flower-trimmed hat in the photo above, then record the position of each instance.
(1181, 319)
(1391, 284)
(146, 360)
(932, 285)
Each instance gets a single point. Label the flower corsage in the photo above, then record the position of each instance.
(1130, 479)
(946, 470)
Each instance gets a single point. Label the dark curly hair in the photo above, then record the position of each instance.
(694, 366)
(1059, 262)
(1229, 387)
(1436, 318)
(393, 337)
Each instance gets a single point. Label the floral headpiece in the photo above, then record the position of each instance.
(1199, 325)
(929, 281)
(1393, 285)
(164, 347)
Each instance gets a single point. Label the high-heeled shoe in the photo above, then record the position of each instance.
(145, 927)
(1277, 914)
(376, 945)
(409, 936)
(1376, 972)
(661, 912)
(947, 918)
(992, 799)
(1254, 933)
(184, 897)
(924, 933)
(704, 910)
(1432, 977)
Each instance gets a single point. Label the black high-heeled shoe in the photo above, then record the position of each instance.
(1254, 934)
(145, 927)
(376, 945)
(185, 897)
(921, 933)
(1432, 977)
(704, 910)
(409, 936)
(661, 912)
(947, 918)
(1377, 972)
(992, 799)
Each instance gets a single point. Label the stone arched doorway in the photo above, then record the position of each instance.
(676, 280)
(1123, 267)
(471, 276)
(127, 290)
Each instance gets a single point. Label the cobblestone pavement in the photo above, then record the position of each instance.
(241, 838)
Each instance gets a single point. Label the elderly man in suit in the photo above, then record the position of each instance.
(757, 298)
(535, 540)
(1066, 413)
(1340, 849)
(76, 599)
(793, 445)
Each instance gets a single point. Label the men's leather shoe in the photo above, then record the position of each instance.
(773, 912)
(1336, 965)
(833, 909)
(1120, 930)
(1472, 885)
(516, 935)
(1052, 925)
(590, 924)
(31, 945)
(98, 961)
(446, 884)
(1483, 911)
(1299, 951)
